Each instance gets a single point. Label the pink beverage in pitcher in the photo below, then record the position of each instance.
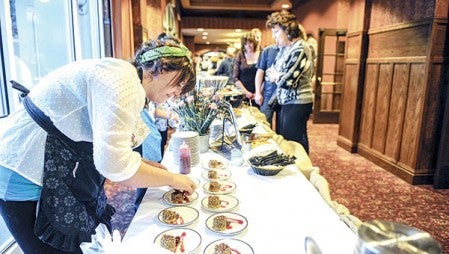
(184, 158)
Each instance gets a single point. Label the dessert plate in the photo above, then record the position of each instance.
(225, 187)
(195, 180)
(187, 215)
(236, 245)
(215, 163)
(190, 240)
(235, 223)
(222, 174)
(227, 203)
(188, 199)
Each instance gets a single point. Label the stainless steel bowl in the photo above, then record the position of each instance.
(386, 237)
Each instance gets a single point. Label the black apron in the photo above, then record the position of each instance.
(73, 201)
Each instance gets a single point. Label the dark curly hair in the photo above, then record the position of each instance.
(182, 64)
(249, 38)
(287, 21)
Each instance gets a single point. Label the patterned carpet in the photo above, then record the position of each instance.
(370, 192)
(367, 190)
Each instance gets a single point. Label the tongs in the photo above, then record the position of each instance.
(24, 91)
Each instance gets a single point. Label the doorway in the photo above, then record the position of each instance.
(329, 75)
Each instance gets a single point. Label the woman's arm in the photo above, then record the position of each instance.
(152, 174)
(258, 81)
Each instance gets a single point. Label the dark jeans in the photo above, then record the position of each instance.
(19, 217)
(293, 123)
(268, 111)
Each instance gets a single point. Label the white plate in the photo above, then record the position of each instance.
(223, 163)
(195, 180)
(167, 198)
(228, 203)
(236, 245)
(190, 239)
(187, 215)
(222, 174)
(237, 223)
(225, 187)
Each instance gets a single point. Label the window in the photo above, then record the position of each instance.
(41, 35)
(38, 36)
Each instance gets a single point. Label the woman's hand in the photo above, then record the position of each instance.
(184, 183)
(249, 95)
(258, 97)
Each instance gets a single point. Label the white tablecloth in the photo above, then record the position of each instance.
(281, 211)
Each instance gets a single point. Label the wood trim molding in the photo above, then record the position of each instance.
(398, 169)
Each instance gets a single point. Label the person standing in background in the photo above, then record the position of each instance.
(292, 72)
(245, 66)
(163, 117)
(226, 67)
(264, 87)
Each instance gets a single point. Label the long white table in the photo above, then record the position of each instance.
(281, 211)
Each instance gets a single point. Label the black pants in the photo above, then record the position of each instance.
(19, 217)
(293, 123)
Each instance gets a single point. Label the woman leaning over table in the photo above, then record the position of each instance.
(79, 125)
(292, 72)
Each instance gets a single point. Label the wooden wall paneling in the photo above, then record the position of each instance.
(369, 104)
(432, 115)
(122, 30)
(138, 29)
(346, 128)
(433, 109)
(413, 115)
(441, 59)
(382, 107)
(441, 179)
(397, 110)
(354, 74)
(405, 40)
(352, 90)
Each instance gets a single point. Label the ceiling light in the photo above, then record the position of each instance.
(285, 6)
(200, 29)
(207, 43)
(204, 37)
(238, 30)
(205, 33)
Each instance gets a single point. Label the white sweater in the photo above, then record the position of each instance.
(97, 101)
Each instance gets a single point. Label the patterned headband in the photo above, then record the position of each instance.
(165, 51)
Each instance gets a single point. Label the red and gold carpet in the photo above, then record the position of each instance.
(370, 192)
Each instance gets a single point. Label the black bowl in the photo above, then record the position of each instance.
(267, 170)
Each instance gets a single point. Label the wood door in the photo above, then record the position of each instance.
(329, 75)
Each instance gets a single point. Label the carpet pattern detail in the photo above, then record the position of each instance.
(370, 192)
